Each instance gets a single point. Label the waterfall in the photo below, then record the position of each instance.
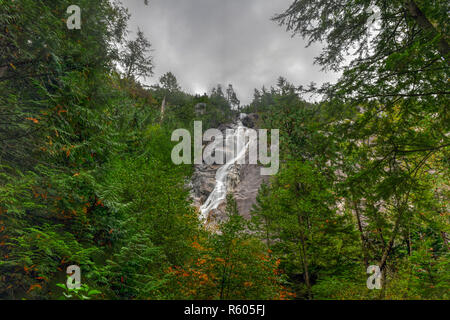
(219, 193)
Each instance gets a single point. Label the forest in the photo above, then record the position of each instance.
(86, 176)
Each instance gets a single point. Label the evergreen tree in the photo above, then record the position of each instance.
(135, 58)
(169, 82)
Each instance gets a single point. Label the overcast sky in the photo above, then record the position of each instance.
(206, 42)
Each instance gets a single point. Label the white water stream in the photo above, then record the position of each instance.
(219, 193)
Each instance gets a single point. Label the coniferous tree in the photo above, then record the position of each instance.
(136, 59)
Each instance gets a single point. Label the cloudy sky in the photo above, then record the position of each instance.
(206, 42)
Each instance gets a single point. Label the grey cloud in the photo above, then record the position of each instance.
(206, 42)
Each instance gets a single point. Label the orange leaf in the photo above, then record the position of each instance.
(34, 286)
(33, 119)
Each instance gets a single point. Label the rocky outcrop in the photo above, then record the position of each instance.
(246, 191)
(243, 181)
(203, 181)
(250, 120)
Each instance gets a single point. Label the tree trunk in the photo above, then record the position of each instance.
(268, 236)
(3, 71)
(408, 241)
(420, 18)
(445, 238)
(304, 257)
(163, 109)
(383, 284)
(390, 244)
(363, 238)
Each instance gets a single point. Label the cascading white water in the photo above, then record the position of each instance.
(219, 193)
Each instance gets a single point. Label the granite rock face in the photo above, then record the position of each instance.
(203, 181)
(243, 181)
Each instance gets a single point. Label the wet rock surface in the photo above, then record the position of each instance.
(203, 181)
(243, 181)
(245, 193)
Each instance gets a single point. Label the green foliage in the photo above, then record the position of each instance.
(242, 261)
(297, 221)
(228, 264)
(86, 176)
(81, 293)
(380, 142)
(135, 58)
(136, 270)
(169, 82)
(376, 184)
